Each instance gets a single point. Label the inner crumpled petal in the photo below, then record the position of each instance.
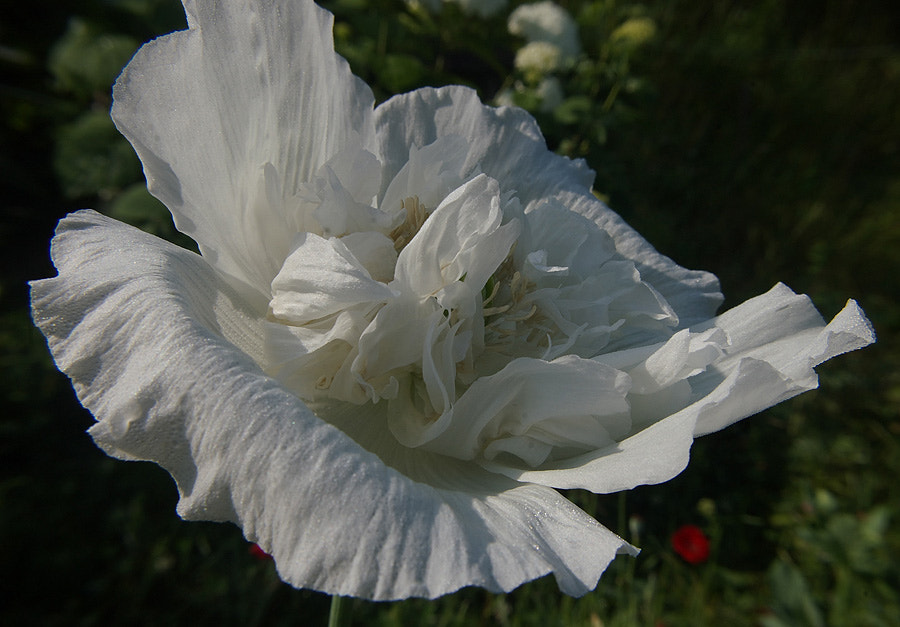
(446, 291)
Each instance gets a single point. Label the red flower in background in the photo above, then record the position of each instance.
(691, 544)
(257, 552)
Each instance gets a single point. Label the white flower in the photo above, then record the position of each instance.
(539, 57)
(546, 21)
(506, 96)
(550, 91)
(408, 324)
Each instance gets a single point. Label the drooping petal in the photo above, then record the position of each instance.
(774, 342)
(506, 144)
(100, 256)
(573, 546)
(784, 331)
(157, 347)
(249, 84)
(319, 278)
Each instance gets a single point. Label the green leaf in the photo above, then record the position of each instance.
(792, 600)
(85, 61)
(573, 110)
(400, 72)
(92, 158)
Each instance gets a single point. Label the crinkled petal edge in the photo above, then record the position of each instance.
(148, 331)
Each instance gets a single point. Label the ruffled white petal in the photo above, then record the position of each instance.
(249, 85)
(774, 341)
(577, 559)
(149, 334)
(100, 256)
(506, 144)
(784, 331)
(319, 278)
(532, 408)
(461, 240)
(430, 173)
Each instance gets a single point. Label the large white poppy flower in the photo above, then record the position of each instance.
(408, 324)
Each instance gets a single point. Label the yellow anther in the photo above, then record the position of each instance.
(523, 317)
(487, 301)
(416, 214)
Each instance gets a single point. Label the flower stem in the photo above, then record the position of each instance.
(339, 615)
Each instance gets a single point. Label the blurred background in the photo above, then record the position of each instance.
(759, 140)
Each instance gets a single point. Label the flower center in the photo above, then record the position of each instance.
(414, 218)
(453, 307)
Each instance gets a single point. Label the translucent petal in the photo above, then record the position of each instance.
(461, 240)
(320, 277)
(528, 398)
(249, 84)
(430, 173)
(774, 341)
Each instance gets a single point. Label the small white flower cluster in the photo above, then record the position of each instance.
(546, 22)
(540, 57)
(550, 91)
(552, 43)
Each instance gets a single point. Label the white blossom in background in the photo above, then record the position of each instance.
(548, 22)
(408, 326)
(506, 96)
(550, 91)
(540, 57)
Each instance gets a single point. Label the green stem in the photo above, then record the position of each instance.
(339, 615)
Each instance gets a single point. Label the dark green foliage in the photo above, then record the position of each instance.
(92, 158)
(758, 140)
(85, 61)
